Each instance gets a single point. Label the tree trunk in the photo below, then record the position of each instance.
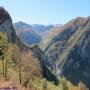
(6, 68)
(20, 77)
(3, 67)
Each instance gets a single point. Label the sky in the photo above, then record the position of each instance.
(46, 11)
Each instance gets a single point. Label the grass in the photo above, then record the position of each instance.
(70, 46)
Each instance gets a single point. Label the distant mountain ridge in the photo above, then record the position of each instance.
(34, 33)
(26, 33)
(48, 35)
(40, 28)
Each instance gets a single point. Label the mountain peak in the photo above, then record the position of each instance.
(20, 23)
(3, 15)
(6, 25)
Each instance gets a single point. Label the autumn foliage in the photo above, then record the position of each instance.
(22, 70)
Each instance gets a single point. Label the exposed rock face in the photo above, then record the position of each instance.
(70, 50)
(58, 43)
(79, 51)
(6, 25)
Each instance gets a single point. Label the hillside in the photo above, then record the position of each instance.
(6, 25)
(48, 35)
(26, 33)
(22, 65)
(68, 52)
(41, 28)
(63, 64)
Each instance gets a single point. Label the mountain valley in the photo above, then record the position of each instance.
(44, 57)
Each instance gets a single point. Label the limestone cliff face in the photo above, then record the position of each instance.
(58, 43)
(69, 53)
(6, 25)
(75, 58)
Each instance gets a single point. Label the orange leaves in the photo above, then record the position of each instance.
(30, 64)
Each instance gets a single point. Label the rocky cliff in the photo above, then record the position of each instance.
(6, 25)
(69, 51)
(7, 28)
